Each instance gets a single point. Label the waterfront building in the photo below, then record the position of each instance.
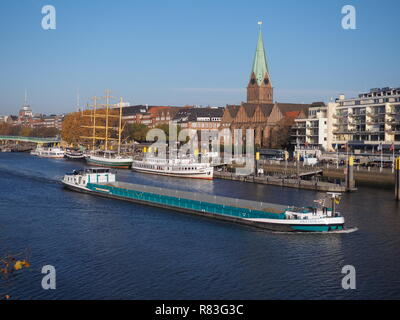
(367, 122)
(150, 116)
(311, 132)
(47, 121)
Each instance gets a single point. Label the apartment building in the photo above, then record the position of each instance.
(368, 121)
(312, 132)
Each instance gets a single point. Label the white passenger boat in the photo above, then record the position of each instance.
(182, 168)
(49, 152)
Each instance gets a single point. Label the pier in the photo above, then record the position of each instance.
(284, 182)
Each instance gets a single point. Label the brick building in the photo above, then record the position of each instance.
(149, 115)
(199, 118)
(260, 113)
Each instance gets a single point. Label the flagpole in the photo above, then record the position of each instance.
(393, 158)
(381, 157)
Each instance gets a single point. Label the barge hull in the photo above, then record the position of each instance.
(257, 224)
(184, 210)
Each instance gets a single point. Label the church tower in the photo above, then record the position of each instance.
(260, 88)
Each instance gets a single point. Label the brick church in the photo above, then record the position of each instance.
(260, 113)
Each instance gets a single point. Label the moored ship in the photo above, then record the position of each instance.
(182, 168)
(109, 159)
(74, 154)
(48, 152)
(102, 182)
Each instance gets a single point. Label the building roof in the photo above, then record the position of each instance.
(267, 109)
(233, 110)
(133, 110)
(260, 65)
(288, 107)
(191, 114)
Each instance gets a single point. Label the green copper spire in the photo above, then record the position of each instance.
(260, 66)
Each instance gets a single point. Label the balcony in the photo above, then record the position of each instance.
(344, 131)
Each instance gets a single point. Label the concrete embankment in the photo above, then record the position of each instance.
(289, 183)
(362, 176)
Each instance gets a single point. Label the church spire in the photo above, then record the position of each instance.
(260, 66)
(260, 88)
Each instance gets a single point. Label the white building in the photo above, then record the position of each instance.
(312, 132)
(368, 121)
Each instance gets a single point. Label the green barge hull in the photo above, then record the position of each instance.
(216, 207)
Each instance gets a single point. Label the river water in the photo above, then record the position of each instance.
(110, 249)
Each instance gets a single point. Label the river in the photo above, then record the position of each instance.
(109, 249)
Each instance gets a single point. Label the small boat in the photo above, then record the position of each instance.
(74, 154)
(49, 152)
(109, 159)
(182, 168)
(102, 182)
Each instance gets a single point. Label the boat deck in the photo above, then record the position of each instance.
(201, 197)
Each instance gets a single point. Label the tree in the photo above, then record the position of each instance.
(280, 134)
(136, 131)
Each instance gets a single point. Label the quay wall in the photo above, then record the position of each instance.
(289, 183)
(362, 176)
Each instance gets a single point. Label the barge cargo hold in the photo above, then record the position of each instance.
(101, 182)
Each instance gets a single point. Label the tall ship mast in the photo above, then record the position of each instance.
(107, 157)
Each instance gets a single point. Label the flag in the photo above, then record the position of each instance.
(379, 147)
(392, 147)
(336, 146)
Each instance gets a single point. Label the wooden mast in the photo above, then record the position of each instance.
(120, 126)
(94, 124)
(107, 115)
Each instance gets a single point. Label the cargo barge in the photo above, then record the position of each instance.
(102, 182)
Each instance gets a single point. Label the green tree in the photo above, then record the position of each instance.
(136, 131)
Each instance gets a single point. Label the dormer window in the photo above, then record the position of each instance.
(266, 81)
(253, 81)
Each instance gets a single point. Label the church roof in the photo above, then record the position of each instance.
(233, 110)
(267, 109)
(289, 107)
(260, 66)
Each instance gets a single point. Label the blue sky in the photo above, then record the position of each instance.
(192, 52)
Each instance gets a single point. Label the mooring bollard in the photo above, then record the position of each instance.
(397, 175)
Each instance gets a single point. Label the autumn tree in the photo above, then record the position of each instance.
(280, 134)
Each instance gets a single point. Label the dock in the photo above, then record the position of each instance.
(284, 182)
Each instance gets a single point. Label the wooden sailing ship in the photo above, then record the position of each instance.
(106, 157)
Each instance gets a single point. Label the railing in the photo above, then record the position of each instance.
(30, 139)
